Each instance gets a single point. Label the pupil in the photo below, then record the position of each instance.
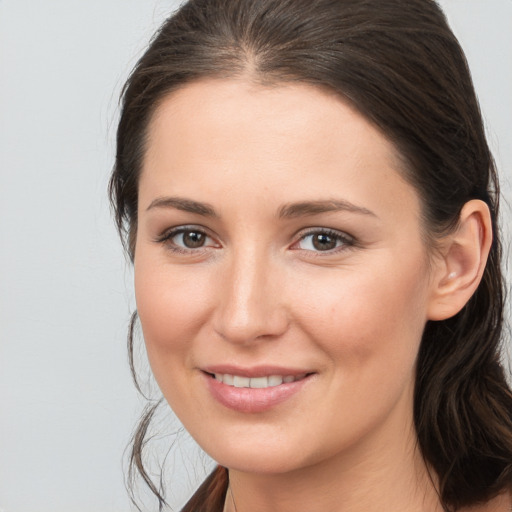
(324, 242)
(193, 239)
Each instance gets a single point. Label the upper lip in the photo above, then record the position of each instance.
(254, 371)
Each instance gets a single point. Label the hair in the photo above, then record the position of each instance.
(400, 66)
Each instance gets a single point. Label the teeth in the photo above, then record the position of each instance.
(256, 382)
(275, 380)
(259, 382)
(228, 379)
(241, 382)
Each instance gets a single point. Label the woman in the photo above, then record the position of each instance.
(310, 203)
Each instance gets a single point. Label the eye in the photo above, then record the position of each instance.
(186, 238)
(190, 239)
(324, 240)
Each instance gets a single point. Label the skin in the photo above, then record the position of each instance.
(259, 292)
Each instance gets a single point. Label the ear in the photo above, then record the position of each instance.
(461, 263)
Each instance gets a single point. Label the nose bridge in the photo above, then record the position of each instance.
(250, 305)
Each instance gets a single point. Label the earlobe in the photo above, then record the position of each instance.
(459, 269)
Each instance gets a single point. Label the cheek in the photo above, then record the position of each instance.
(365, 318)
(172, 306)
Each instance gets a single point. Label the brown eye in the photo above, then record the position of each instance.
(323, 242)
(187, 240)
(190, 239)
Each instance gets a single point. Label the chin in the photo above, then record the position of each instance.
(266, 453)
(266, 463)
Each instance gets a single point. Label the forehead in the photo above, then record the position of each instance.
(251, 112)
(292, 139)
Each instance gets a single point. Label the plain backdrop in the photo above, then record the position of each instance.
(67, 403)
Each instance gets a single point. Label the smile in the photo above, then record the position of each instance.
(257, 391)
(239, 381)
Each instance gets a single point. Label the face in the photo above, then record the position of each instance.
(281, 278)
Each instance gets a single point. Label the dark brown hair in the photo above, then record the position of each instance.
(398, 63)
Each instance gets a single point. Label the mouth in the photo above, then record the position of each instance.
(263, 382)
(255, 390)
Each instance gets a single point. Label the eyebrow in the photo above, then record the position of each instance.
(291, 210)
(303, 209)
(186, 205)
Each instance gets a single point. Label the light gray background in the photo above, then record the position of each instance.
(67, 405)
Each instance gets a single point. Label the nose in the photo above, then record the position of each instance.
(251, 304)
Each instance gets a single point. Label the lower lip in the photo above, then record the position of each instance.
(253, 400)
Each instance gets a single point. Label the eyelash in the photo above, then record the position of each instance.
(167, 239)
(346, 241)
